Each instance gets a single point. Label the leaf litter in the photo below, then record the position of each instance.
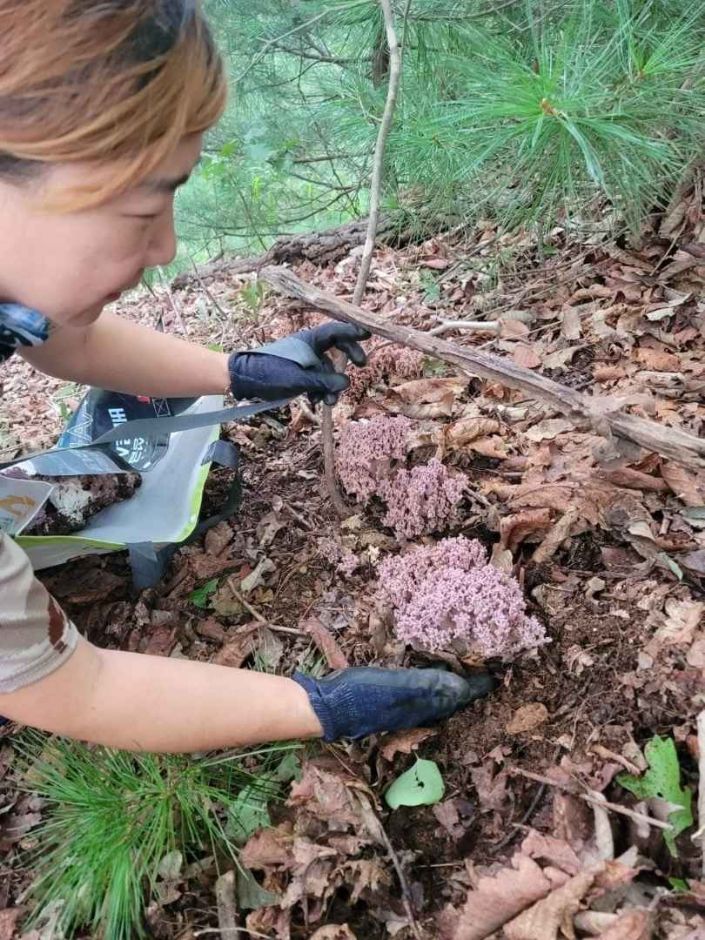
(607, 546)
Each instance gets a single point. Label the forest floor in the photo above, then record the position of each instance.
(611, 556)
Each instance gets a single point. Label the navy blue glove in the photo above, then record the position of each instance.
(297, 364)
(352, 703)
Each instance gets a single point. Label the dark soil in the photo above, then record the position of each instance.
(578, 676)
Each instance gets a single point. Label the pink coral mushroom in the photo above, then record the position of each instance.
(446, 595)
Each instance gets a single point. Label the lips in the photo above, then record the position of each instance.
(117, 294)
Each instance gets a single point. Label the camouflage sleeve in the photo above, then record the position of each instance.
(36, 636)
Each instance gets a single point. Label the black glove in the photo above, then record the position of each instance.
(352, 703)
(297, 364)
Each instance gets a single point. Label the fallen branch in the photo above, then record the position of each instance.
(670, 442)
(275, 628)
(323, 247)
(596, 799)
(225, 901)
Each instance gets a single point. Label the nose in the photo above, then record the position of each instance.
(162, 244)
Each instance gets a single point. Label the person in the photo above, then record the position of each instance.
(103, 107)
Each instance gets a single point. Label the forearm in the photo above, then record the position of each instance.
(152, 703)
(114, 354)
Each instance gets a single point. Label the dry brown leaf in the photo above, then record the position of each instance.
(527, 717)
(680, 620)
(268, 527)
(549, 849)
(560, 358)
(657, 359)
(425, 391)
(694, 561)
(555, 536)
(448, 816)
(633, 479)
(269, 847)
(499, 898)
(311, 873)
(405, 742)
(366, 874)
(512, 329)
(491, 787)
(462, 432)
(501, 559)
(8, 921)
(548, 430)
(235, 651)
(696, 654)
(328, 797)
(333, 932)
(606, 373)
(515, 528)
(526, 356)
(218, 538)
(634, 925)
(325, 642)
(545, 919)
(570, 322)
(492, 446)
(687, 485)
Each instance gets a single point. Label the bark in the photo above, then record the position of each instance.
(670, 442)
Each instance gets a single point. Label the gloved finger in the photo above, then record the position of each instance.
(355, 353)
(327, 335)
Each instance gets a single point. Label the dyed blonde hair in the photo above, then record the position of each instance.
(114, 82)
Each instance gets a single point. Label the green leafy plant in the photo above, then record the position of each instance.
(113, 820)
(663, 780)
(200, 597)
(420, 785)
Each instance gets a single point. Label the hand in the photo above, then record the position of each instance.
(352, 703)
(298, 364)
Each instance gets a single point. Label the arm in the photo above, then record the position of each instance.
(151, 703)
(115, 354)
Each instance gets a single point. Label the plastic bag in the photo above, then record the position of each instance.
(164, 510)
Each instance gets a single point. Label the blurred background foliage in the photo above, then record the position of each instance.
(530, 112)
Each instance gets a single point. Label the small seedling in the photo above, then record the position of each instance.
(201, 596)
(663, 780)
(112, 820)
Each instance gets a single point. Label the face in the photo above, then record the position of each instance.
(70, 265)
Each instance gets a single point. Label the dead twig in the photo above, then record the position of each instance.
(336, 497)
(339, 504)
(227, 911)
(478, 326)
(257, 615)
(374, 824)
(699, 836)
(596, 799)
